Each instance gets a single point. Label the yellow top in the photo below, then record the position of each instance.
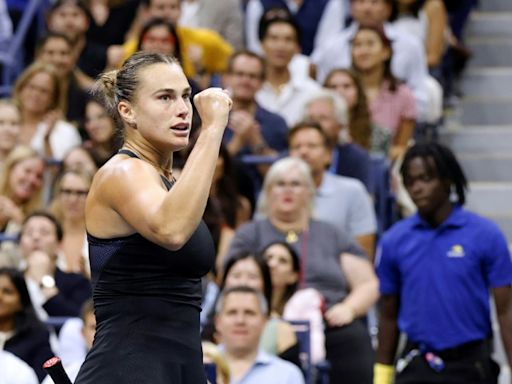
(215, 50)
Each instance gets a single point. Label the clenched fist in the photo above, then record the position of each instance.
(213, 106)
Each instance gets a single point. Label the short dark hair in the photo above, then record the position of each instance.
(263, 303)
(277, 15)
(48, 35)
(58, 227)
(79, 3)
(157, 22)
(447, 166)
(251, 54)
(308, 124)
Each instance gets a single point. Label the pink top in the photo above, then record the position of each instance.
(390, 108)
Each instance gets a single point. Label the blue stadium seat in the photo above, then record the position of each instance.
(314, 374)
(11, 53)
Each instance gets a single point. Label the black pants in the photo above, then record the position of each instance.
(467, 364)
(350, 353)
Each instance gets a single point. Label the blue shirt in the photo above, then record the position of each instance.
(443, 276)
(268, 369)
(273, 129)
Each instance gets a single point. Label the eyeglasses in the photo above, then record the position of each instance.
(74, 192)
(250, 76)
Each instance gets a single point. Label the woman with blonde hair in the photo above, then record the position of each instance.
(38, 93)
(21, 190)
(10, 124)
(68, 206)
(330, 261)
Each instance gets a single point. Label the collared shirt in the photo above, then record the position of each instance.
(344, 202)
(290, 102)
(443, 276)
(268, 369)
(408, 62)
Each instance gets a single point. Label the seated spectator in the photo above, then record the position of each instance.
(348, 159)
(347, 84)
(16, 371)
(10, 127)
(68, 206)
(281, 92)
(241, 314)
(21, 191)
(290, 302)
(21, 332)
(79, 158)
(72, 18)
(53, 292)
(250, 270)
(317, 20)
(332, 263)
(37, 90)
(75, 340)
(252, 129)
(391, 103)
(57, 49)
(212, 355)
(339, 200)
(202, 51)
(408, 62)
(103, 141)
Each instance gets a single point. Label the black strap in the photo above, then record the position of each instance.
(128, 153)
(168, 183)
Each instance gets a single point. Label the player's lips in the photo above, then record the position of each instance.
(181, 126)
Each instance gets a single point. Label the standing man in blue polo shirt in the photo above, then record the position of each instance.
(436, 270)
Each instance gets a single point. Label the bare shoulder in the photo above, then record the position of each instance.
(115, 186)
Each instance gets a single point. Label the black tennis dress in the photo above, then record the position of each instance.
(147, 302)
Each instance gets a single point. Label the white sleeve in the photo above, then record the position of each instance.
(253, 13)
(63, 138)
(331, 22)
(362, 215)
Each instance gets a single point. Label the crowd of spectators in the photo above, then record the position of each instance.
(321, 90)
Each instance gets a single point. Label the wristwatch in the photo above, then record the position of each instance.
(47, 281)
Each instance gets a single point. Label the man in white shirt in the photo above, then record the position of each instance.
(283, 93)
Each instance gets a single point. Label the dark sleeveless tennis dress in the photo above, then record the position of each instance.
(147, 302)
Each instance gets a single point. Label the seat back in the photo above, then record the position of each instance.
(211, 372)
(303, 333)
(11, 56)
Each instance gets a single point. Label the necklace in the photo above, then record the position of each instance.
(291, 237)
(165, 171)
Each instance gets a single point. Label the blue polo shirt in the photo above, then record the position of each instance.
(443, 276)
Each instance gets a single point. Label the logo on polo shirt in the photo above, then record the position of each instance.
(456, 251)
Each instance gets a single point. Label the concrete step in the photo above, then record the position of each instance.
(492, 200)
(486, 110)
(495, 6)
(494, 167)
(487, 82)
(490, 51)
(479, 139)
(497, 24)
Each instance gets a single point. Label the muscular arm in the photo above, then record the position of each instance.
(132, 188)
(503, 300)
(388, 329)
